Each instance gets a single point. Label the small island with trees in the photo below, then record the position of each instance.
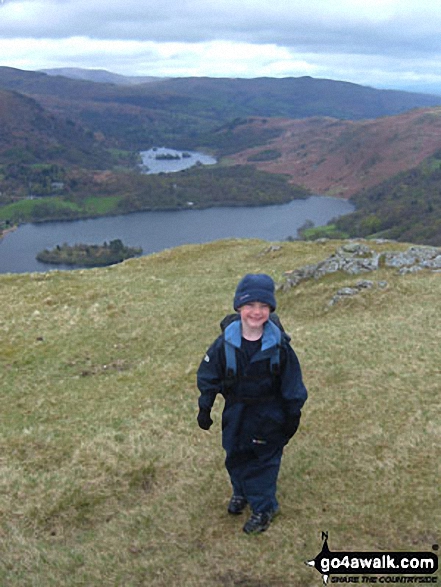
(172, 156)
(89, 255)
(167, 157)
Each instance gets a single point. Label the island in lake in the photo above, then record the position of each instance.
(171, 156)
(89, 255)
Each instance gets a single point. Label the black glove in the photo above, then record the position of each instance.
(204, 419)
(291, 425)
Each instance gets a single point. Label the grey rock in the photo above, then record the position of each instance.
(354, 249)
(413, 269)
(356, 258)
(364, 284)
(347, 291)
(415, 255)
(434, 263)
(270, 249)
(361, 285)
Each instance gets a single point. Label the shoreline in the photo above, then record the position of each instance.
(154, 231)
(6, 231)
(193, 207)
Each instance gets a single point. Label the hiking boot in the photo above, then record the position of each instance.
(258, 522)
(237, 504)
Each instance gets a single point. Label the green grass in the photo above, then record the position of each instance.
(100, 205)
(105, 478)
(327, 231)
(25, 210)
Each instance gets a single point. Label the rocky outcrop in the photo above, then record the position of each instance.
(352, 257)
(360, 286)
(356, 258)
(414, 259)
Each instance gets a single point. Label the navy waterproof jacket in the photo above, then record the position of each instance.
(257, 402)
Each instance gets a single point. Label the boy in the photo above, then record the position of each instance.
(256, 370)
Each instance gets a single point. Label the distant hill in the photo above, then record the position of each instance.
(29, 134)
(340, 158)
(291, 97)
(187, 111)
(100, 76)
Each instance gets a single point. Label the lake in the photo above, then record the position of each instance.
(156, 231)
(165, 160)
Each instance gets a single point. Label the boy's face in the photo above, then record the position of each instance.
(254, 315)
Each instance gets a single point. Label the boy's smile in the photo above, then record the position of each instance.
(253, 316)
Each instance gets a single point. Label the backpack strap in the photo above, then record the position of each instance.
(273, 337)
(232, 335)
(232, 338)
(230, 360)
(275, 363)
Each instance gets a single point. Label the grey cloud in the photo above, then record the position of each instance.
(287, 24)
(342, 39)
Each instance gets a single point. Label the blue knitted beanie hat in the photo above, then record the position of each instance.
(255, 288)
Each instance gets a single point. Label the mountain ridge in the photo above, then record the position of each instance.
(186, 112)
(100, 75)
(226, 98)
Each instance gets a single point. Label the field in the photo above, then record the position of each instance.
(41, 208)
(105, 478)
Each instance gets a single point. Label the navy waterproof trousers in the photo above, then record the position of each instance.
(253, 475)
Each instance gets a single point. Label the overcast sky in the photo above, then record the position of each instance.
(381, 43)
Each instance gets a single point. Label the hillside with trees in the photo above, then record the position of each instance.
(87, 195)
(406, 207)
(29, 134)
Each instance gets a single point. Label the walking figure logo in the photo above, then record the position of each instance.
(315, 562)
(374, 563)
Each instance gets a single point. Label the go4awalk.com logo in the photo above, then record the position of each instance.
(409, 567)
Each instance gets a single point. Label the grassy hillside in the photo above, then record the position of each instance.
(342, 157)
(106, 480)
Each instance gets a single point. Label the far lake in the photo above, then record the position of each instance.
(164, 160)
(155, 231)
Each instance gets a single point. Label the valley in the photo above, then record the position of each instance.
(69, 148)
